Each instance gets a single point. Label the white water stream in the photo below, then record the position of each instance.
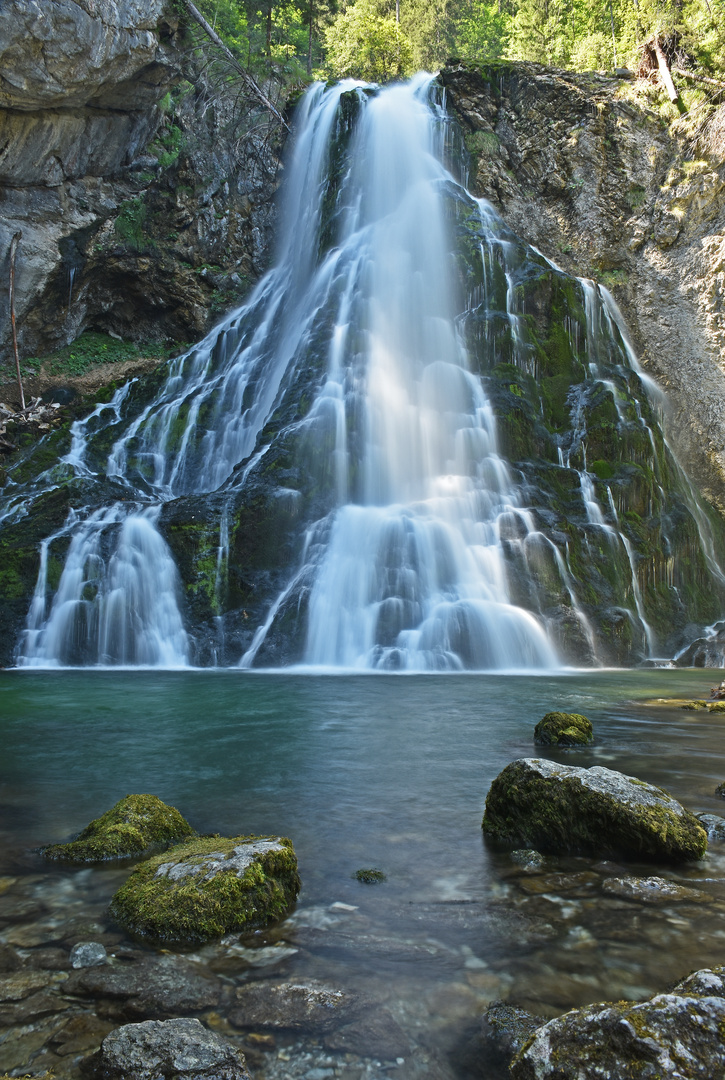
(409, 570)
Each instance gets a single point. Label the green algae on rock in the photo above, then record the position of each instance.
(135, 825)
(674, 1035)
(563, 729)
(209, 886)
(562, 809)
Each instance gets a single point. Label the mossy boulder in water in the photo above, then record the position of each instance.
(135, 825)
(561, 809)
(563, 729)
(207, 887)
(670, 1035)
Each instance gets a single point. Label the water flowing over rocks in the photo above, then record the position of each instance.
(179, 1048)
(447, 405)
(596, 811)
(675, 1035)
(589, 175)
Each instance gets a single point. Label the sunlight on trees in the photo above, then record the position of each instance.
(364, 44)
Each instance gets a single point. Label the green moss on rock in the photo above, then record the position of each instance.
(207, 887)
(561, 809)
(135, 825)
(563, 729)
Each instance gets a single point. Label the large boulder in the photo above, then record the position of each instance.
(562, 809)
(179, 1048)
(563, 729)
(675, 1035)
(207, 887)
(134, 826)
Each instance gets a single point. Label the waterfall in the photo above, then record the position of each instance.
(375, 463)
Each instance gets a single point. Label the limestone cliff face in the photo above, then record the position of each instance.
(117, 233)
(600, 186)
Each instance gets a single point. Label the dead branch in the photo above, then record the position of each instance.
(248, 80)
(13, 250)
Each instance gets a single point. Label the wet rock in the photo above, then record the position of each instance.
(88, 954)
(50, 959)
(22, 984)
(652, 890)
(179, 1048)
(9, 959)
(208, 887)
(713, 825)
(155, 988)
(135, 825)
(528, 858)
(720, 790)
(675, 1035)
(568, 810)
(375, 1034)
(302, 1006)
(563, 729)
(32, 1008)
(79, 1034)
(505, 1029)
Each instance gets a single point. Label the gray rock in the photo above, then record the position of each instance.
(714, 826)
(564, 809)
(375, 1034)
(652, 890)
(155, 988)
(302, 1006)
(88, 954)
(675, 1035)
(505, 1029)
(179, 1048)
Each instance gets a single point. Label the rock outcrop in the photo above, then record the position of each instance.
(562, 809)
(143, 211)
(591, 176)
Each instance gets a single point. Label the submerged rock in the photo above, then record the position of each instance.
(563, 729)
(135, 825)
(675, 1035)
(302, 1006)
(714, 826)
(568, 810)
(505, 1030)
(179, 1048)
(88, 954)
(208, 887)
(652, 890)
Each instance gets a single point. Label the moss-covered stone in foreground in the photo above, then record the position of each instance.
(561, 809)
(563, 729)
(207, 887)
(135, 825)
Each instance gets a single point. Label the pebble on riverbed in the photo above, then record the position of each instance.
(88, 954)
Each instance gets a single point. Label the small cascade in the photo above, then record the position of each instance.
(115, 602)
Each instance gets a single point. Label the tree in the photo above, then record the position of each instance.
(362, 43)
(483, 31)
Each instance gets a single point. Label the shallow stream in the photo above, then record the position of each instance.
(386, 772)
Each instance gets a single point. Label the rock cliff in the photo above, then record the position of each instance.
(144, 208)
(592, 177)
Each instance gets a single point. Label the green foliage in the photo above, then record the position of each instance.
(365, 44)
(129, 225)
(93, 348)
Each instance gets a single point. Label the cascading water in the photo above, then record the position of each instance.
(327, 470)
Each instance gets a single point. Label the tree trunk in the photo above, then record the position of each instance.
(665, 70)
(614, 42)
(13, 249)
(269, 32)
(247, 79)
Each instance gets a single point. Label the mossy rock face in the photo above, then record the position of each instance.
(561, 809)
(671, 1035)
(207, 887)
(134, 826)
(563, 729)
